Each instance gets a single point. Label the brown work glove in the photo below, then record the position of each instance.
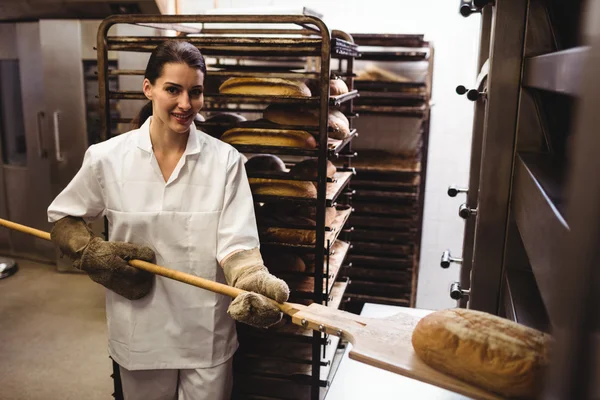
(105, 262)
(245, 270)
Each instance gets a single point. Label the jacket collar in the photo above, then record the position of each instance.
(193, 146)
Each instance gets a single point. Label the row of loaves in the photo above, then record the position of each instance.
(286, 121)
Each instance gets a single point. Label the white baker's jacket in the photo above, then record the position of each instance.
(203, 213)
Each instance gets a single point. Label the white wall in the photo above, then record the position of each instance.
(456, 41)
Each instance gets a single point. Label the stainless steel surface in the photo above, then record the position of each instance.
(457, 292)
(482, 76)
(64, 38)
(56, 130)
(8, 267)
(49, 57)
(558, 72)
(28, 204)
(40, 123)
(464, 211)
(574, 370)
(504, 81)
(447, 259)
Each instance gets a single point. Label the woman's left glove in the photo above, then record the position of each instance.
(245, 270)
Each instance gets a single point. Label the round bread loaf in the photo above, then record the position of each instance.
(280, 187)
(270, 137)
(485, 350)
(309, 169)
(265, 163)
(304, 116)
(337, 87)
(225, 119)
(265, 86)
(283, 262)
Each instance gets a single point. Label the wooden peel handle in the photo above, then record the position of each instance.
(187, 278)
(146, 266)
(215, 287)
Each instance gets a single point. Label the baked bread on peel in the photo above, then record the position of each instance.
(487, 351)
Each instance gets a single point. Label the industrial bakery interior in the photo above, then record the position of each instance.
(299, 200)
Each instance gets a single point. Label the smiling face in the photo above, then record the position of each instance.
(177, 96)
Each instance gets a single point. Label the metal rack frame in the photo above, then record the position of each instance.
(401, 99)
(311, 39)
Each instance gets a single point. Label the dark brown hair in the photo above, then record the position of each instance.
(169, 51)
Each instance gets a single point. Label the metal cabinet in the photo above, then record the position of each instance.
(50, 129)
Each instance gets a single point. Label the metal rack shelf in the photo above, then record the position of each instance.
(389, 86)
(370, 221)
(395, 55)
(388, 39)
(230, 73)
(246, 99)
(375, 249)
(398, 111)
(363, 298)
(379, 261)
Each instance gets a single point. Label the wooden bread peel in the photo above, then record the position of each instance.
(381, 342)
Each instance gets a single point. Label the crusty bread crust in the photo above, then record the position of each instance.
(280, 187)
(270, 137)
(488, 351)
(265, 86)
(286, 235)
(337, 87)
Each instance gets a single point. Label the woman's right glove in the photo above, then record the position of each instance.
(105, 262)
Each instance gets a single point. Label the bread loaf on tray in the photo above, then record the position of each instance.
(485, 350)
(270, 137)
(337, 87)
(264, 86)
(308, 116)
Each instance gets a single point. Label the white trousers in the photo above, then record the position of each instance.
(184, 384)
